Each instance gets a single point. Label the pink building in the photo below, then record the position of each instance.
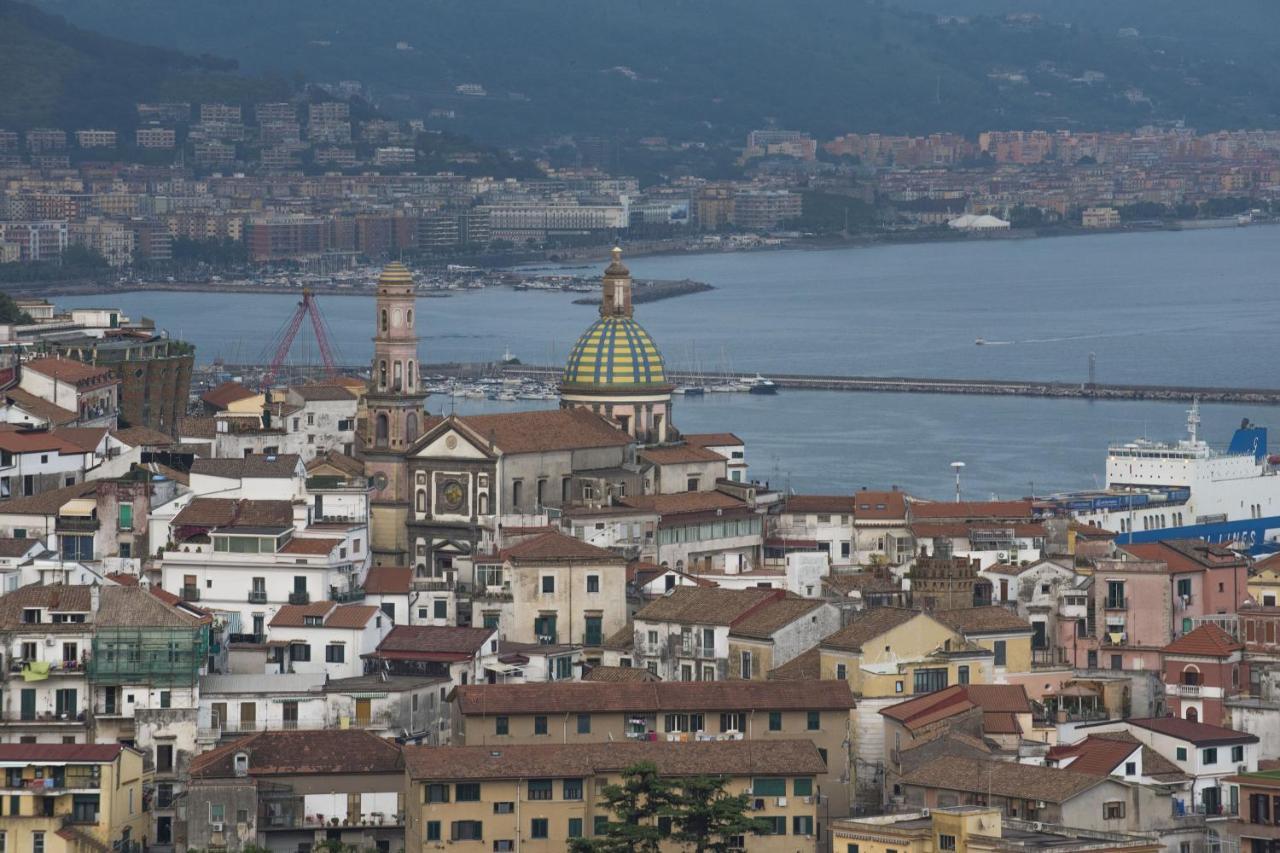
(1151, 595)
(1202, 669)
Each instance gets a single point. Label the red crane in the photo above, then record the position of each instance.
(306, 308)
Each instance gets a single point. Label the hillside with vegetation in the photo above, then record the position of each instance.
(60, 75)
(711, 69)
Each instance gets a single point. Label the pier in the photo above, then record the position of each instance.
(815, 382)
(989, 387)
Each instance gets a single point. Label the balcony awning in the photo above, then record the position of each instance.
(1115, 637)
(79, 507)
(365, 695)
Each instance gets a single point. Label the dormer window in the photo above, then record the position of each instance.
(313, 621)
(31, 616)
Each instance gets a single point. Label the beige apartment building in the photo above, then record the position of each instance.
(536, 798)
(678, 712)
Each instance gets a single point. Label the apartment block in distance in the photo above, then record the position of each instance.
(536, 798)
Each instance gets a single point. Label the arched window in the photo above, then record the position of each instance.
(397, 369)
(1193, 715)
(385, 324)
(382, 375)
(422, 500)
(411, 427)
(382, 428)
(408, 318)
(408, 376)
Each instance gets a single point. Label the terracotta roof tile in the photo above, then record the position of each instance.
(433, 642)
(321, 392)
(834, 504)
(879, 506)
(803, 667)
(310, 546)
(867, 625)
(48, 503)
(141, 436)
(209, 513)
(71, 371)
(1206, 641)
(542, 431)
(1000, 778)
(705, 605)
(1201, 734)
(345, 616)
(554, 546)
(10, 547)
(617, 674)
(41, 408)
(256, 465)
(712, 439)
(286, 753)
(226, 394)
(598, 697)
(763, 622)
(348, 465)
(719, 758)
(388, 580)
(991, 619)
(683, 502)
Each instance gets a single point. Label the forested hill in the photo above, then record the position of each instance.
(715, 68)
(53, 73)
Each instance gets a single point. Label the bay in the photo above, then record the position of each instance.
(1193, 308)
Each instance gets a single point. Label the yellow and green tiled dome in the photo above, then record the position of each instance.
(615, 353)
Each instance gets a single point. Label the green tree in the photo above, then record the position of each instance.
(695, 812)
(708, 816)
(10, 312)
(637, 803)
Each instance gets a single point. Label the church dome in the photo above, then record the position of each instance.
(395, 274)
(615, 353)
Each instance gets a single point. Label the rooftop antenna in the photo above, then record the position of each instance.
(1193, 419)
(957, 467)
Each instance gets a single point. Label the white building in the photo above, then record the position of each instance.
(325, 637)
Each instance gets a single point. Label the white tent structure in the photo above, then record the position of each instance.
(975, 222)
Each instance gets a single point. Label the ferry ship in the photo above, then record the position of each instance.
(1187, 490)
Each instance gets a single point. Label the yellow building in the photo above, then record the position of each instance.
(536, 798)
(1006, 634)
(1264, 586)
(977, 829)
(71, 798)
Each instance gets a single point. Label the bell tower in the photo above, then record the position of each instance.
(393, 413)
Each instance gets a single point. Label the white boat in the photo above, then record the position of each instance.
(759, 385)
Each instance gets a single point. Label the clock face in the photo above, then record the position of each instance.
(452, 495)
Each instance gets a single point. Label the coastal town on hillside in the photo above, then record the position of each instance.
(195, 192)
(289, 614)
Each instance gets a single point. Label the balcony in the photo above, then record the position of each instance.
(257, 596)
(75, 524)
(1116, 603)
(345, 596)
(1191, 690)
(299, 598)
(249, 639)
(190, 593)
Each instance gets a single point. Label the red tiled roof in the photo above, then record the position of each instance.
(338, 752)
(879, 506)
(351, 616)
(1093, 755)
(541, 431)
(312, 547)
(388, 580)
(712, 439)
(10, 547)
(835, 504)
(38, 441)
(1183, 556)
(554, 545)
(71, 371)
(226, 394)
(432, 643)
(679, 454)
(1206, 641)
(683, 502)
(1201, 734)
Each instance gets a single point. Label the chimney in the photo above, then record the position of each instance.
(95, 598)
